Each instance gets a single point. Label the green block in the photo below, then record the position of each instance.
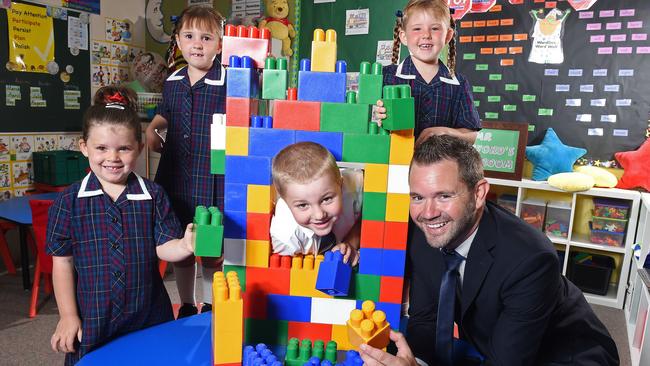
(344, 117)
(217, 161)
(241, 272)
(271, 332)
(369, 88)
(374, 206)
(274, 84)
(364, 287)
(400, 108)
(364, 148)
(208, 236)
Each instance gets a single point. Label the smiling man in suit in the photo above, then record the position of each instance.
(498, 278)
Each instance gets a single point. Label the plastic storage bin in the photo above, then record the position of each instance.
(533, 211)
(611, 208)
(558, 215)
(606, 224)
(59, 167)
(508, 201)
(591, 272)
(607, 237)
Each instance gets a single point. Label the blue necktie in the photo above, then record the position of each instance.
(445, 321)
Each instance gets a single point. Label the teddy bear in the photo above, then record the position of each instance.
(276, 21)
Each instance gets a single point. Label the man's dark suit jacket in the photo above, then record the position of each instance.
(515, 308)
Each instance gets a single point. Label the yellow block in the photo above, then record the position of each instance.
(258, 253)
(375, 178)
(323, 50)
(401, 147)
(368, 326)
(303, 275)
(237, 141)
(397, 207)
(227, 319)
(340, 336)
(258, 199)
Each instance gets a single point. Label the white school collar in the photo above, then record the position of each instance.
(220, 82)
(130, 196)
(398, 73)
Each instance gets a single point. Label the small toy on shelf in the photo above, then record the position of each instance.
(533, 211)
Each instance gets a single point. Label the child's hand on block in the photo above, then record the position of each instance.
(379, 111)
(350, 253)
(189, 238)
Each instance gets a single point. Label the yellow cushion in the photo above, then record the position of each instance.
(571, 182)
(602, 177)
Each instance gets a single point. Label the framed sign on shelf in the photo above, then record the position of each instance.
(502, 148)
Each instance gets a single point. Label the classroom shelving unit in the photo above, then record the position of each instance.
(637, 307)
(581, 204)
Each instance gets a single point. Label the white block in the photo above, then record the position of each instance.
(331, 311)
(398, 179)
(218, 132)
(234, 252)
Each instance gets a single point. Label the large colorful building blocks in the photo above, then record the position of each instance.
(345, 117)
(369, 326)
(227, 319)
(370, 82)
(208, 231)
(323, 50)
(260, 355)
(245, 41)
(280, 299)
(334, 275)
(400, 113)
(218, 144)
(319, 86)
(275, 79)
(242, 80)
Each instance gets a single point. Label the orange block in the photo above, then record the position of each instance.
(296, 115)
(257, 226)
(390, 289)
(395, 235)
(340, 336)
(372, 234)
(368, 326)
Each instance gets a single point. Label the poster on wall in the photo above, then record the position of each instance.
(357, 21)
(89, 6)
(547, 36)
(31, 38)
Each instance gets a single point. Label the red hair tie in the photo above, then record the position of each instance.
(116, 98)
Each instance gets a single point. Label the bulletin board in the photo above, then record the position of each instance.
(595, 98)
(54, 116)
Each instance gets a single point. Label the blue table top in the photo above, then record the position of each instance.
(17, 209)
(185, 341)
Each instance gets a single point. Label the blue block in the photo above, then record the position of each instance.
(235, 197)
(242, 82)
(268, 141)
(321, 86)
(370, 261)
(392, 311)
(333, 141)
(393, 262)
(289, 308)
(352, 358)
(234, 224)
(248, 170)
(259, 355)
(334, 275)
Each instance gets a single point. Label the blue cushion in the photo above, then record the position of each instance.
(552, 156)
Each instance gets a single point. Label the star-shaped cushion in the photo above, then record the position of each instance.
(552, 156)
(636, 165)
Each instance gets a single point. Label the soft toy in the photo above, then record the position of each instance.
(552, 156)
(635, 167)
(602, 177)
(571, 182)
(276, 21)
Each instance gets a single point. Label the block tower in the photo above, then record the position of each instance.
(280, 298)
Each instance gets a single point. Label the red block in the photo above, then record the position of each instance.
(257, 226)
(296, 115)
(312, 331)
(255, 48)
(395, 235)
(269, 280)
(255, 301)
(390, 289)
(239, 111)
(372, 234)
